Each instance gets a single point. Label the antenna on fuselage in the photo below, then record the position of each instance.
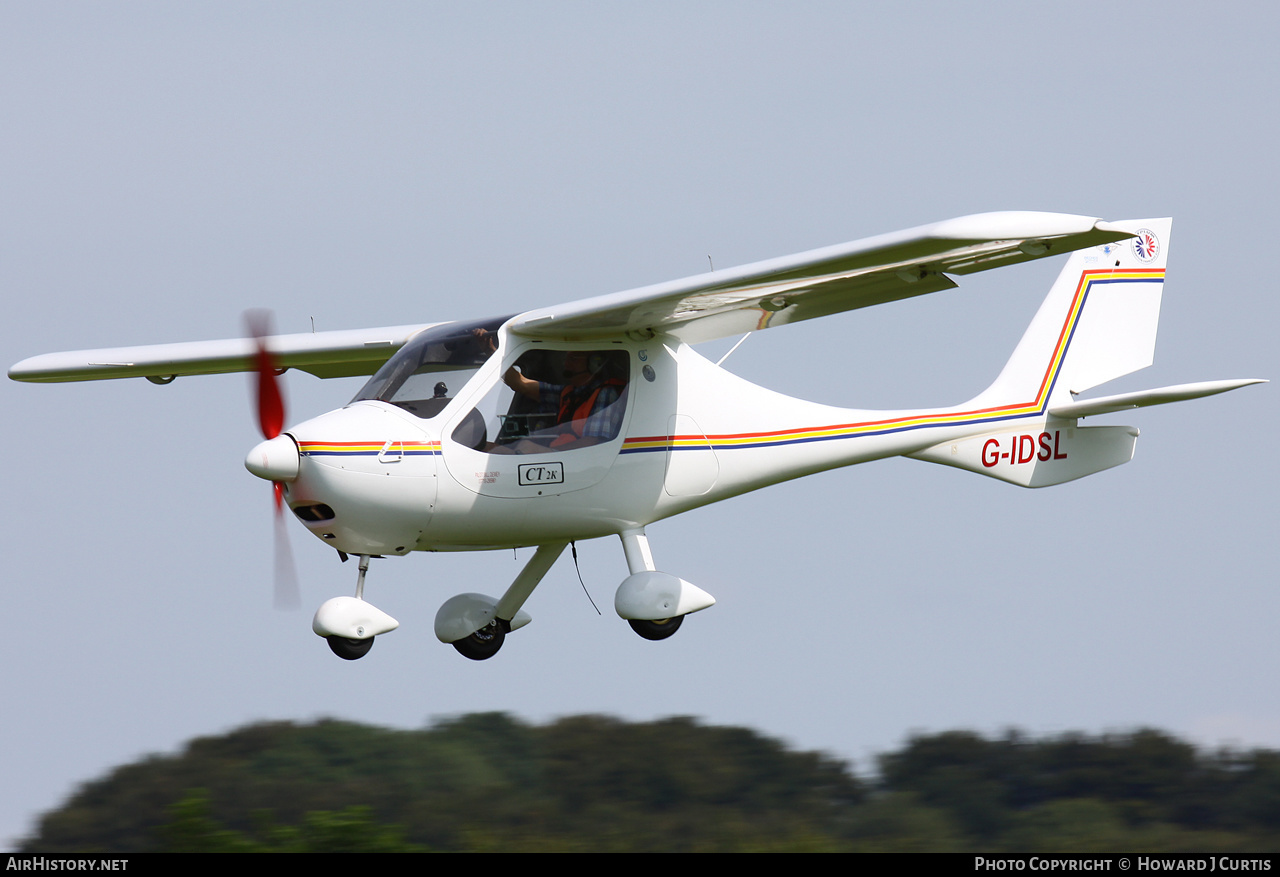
(573, 547)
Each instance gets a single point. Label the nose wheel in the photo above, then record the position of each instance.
(349, 649)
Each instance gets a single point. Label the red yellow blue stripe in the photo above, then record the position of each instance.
(1033, 407)
(367, 449)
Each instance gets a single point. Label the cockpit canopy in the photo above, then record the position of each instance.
(424, 375)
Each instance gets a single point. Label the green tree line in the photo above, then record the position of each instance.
(489, 782)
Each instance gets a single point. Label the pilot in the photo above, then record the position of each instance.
(584, 404)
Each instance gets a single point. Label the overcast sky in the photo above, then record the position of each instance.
(165, 166)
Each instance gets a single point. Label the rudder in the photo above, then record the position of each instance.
(1098, 322)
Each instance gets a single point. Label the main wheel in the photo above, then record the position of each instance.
(482, 644)
(349, 649)
(656, 630)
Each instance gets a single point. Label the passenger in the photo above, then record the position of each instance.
(584, 404)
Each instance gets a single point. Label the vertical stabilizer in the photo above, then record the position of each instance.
(1097, 323)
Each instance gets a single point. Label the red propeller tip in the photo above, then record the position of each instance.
(270, 400)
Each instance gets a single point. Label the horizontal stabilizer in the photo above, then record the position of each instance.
(1161, 396)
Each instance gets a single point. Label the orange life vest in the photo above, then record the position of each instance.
(574, 412)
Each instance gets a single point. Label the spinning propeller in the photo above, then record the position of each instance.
(277, 458)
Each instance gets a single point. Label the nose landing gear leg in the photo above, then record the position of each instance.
(349, 624)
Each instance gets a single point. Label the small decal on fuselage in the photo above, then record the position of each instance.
(541, 473)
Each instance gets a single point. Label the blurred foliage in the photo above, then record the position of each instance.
(489, 782)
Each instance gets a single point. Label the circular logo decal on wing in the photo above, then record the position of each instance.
(1146, 246)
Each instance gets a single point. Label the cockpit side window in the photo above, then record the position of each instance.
(425, 375)
(551, 401)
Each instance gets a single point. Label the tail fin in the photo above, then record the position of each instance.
(1097, 323)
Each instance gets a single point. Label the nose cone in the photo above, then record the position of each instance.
(274, 460)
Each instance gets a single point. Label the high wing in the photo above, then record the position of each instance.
(731, 301)
(335, 354)
(821, 282)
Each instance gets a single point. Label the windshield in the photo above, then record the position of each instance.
(424, 375)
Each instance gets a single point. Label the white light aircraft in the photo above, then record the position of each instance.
(596, 418)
